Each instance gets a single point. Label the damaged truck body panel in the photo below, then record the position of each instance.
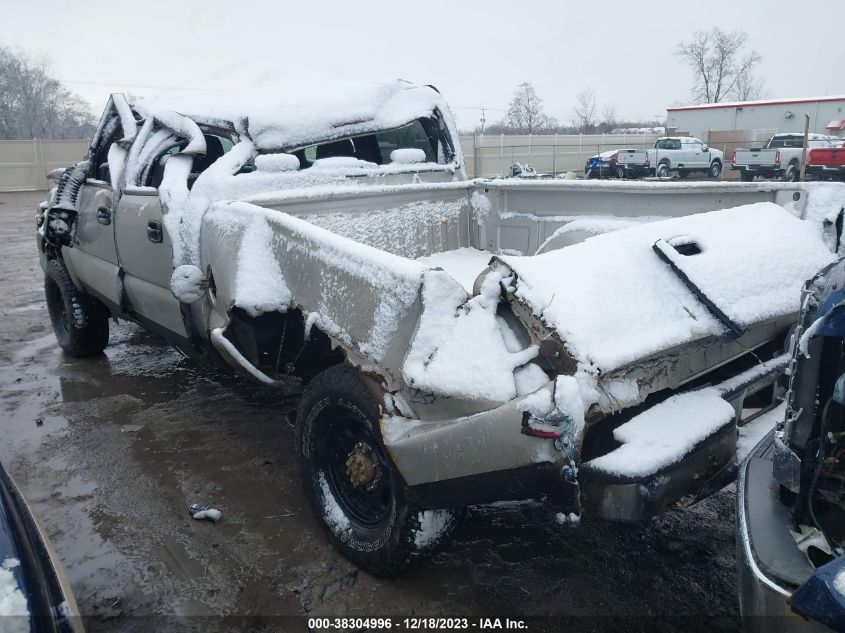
(474, 341)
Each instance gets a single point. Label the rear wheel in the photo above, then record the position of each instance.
(80, 321)
(715, 169)
(792, 173)
(746, 176)
(620, 171)
(662, 170)
(355, 492)
(683, 173)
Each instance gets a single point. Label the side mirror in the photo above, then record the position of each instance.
(705, 148)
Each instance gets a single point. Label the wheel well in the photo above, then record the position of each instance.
(277, 344)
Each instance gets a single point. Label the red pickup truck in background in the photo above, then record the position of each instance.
(826, 163)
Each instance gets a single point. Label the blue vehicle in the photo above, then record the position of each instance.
(791, 489)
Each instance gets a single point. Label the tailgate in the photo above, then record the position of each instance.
(632, 157)
(762, 157)
(711, 274)
(827, 156)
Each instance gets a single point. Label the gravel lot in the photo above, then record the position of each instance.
(110, 451)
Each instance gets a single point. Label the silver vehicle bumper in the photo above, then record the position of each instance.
(763, 599)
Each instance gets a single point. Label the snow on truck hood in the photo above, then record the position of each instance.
(614, 300)
(301, 113)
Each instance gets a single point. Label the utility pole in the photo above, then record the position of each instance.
(483, 118)
(804, 149)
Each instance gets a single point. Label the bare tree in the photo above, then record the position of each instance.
(608, 118)
(720, 65)
(35, 105)
(525, 113)
(584, 112)
(748, 88)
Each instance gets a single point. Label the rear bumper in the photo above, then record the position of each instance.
(760, 170)
(837, 171)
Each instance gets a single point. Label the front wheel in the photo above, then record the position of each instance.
(356, 493)
(80, 321)
(715, 169)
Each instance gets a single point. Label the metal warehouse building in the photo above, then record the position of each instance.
(757, 120)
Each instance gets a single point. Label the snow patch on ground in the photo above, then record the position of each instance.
(433, 523)
(665, 433)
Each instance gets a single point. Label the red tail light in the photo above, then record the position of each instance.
(647, 159)
(733, 157)
(777, 157)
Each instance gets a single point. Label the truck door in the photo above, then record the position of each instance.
(694, 155)
(143, 245)
(93, 258)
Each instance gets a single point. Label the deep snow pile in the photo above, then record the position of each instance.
(615, 301)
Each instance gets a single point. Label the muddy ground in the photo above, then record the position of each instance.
(110, 451)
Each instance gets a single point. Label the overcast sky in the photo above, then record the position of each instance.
(474, 52)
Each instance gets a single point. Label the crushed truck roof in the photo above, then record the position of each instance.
(295, 114)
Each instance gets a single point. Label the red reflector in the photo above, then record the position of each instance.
(538, 430)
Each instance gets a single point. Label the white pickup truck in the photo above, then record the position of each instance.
(781, 158)
(461, 341)
(684, 155)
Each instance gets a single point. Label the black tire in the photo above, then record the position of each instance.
(620, 172)
(715, 169)
(662, 170)
(792, 172)
(746, 176)
(374, 522)
(80, 321)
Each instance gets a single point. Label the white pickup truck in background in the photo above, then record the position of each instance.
(781, 158)
(684, 155)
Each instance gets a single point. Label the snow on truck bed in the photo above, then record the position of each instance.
(614, 300)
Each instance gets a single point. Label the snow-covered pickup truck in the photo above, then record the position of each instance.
(781, 158)
(827, 163)
(684, 155)
(460, 341)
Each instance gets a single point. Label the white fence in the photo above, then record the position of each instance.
(492, 155)
(24, 164)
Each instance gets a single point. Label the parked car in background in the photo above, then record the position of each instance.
(827, 163)
(618, 163)
(791, 489)
(780, 158)
(684, 155)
